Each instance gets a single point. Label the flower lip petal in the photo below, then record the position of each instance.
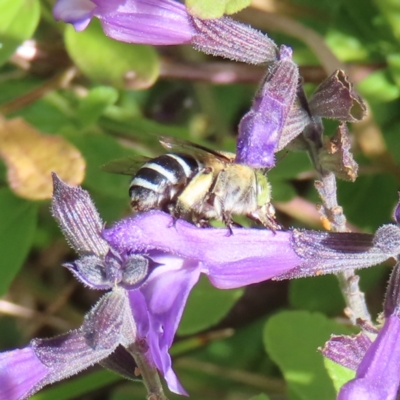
(379, 372)
(231, 259)
(158, 307)
(153, 22)
(75, 12)
(20, 372)
(144, 30)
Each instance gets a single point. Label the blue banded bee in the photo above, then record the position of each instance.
(198, 184)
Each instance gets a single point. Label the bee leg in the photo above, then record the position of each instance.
(227, 219)
(203, 223)
(266, 216)
(270, 218)
(217, 203)
(171, 209)
(273, 225)
(173, 221)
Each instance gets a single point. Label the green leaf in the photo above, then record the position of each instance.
(290, 164)
(320, 293)
(128, 392)
(374, 196)
(98, 150)
(391, 135)
(209, 9)
(379, 86)
(281, 190)
(260, 397)
(78, 386)
(360, 19)
(394, 67)
(17, 228)
(94, 104)
(339, 375)
(18, 21)
(346, 47)
(291, 339)
(206, 306)
(111, 208)
(390, 9)
(110, 62)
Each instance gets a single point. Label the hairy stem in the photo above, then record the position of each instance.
(332, 213)
(148, 372)
(334, 220)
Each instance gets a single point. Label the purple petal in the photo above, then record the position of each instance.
(165, 294)
(75, 12)
(20, 371)
(396, 213)
(245, 257)
(261, 128)
(392, 299)
(378, 376)
(156, 22)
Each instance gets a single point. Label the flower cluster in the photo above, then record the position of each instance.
(149, 268)
(148, 265)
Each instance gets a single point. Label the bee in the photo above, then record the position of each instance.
(198, 184)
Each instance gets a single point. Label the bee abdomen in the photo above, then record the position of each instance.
(160, 180)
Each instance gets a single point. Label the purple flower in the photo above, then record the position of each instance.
(281, 112)
(158, 22)
(166, 22)
(20, 370)
(261, 128)
(107, 336)
(377, 363)
(150, 265)
(150, 274)
(247, 256)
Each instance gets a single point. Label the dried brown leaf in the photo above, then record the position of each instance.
(31, 156)
(336, 155)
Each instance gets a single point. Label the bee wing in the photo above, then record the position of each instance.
(125, 166)
(184, 146)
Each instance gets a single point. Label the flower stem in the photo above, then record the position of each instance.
(348, 280)
(334, 220)
(148, 372)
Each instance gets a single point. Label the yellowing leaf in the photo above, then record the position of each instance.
(31, 156)
(209, 9)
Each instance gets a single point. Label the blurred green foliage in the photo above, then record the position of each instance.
(107, 115)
